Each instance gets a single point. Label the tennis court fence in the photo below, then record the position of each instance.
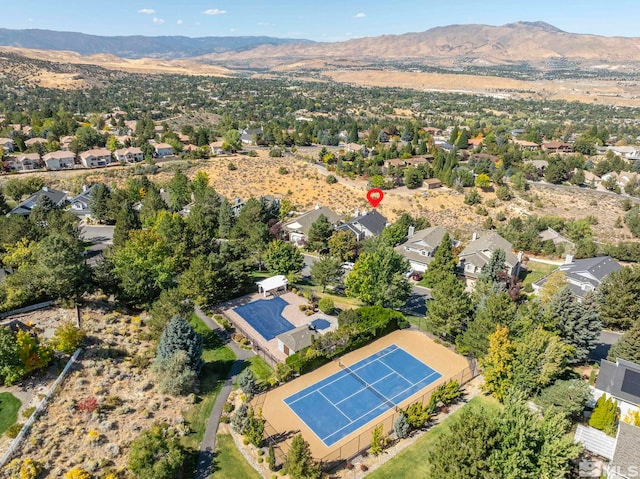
(358, 445)
(260, 349)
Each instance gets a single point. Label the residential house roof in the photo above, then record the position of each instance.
(557, 146)
(584, 275)
(95, 152)
(34, 141)
(479, 251)
(162, 146)
(80, 203)
(303, 222)
(28, 156)
(552, 235)
(485, 156)
(626, 457)
(298, 338)
(620, 379)
(134, 150)
(59, 155)
(371, 221)
(420, 246)
(57, 197)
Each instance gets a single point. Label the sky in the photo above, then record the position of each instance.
(327, 20)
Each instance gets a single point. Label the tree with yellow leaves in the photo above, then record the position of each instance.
(497, 364)
(554, 283)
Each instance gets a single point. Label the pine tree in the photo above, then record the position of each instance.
(319, 233)
(300, 463)
(99, 203)
(497, 364)
(247, 381)
(225, 218)
(449, 311)
(628, 347)
(493, 271)
(126, 221)
(442, 265)
(4, 208)
(401, 426)
(179, 335)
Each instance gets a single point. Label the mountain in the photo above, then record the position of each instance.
(135, 46)
(535, 43)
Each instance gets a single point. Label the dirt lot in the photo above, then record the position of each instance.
(65, 437)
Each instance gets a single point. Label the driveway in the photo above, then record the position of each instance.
(100, 237)
(605, 341)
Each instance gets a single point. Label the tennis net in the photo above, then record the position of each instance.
(351, 372)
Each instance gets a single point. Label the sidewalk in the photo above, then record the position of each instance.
(208, 445)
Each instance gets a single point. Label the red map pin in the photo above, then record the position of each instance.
(375, 196)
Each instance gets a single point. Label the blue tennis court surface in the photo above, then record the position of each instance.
(345, 401)
(265, 316)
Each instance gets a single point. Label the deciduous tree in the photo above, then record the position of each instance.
(498, 364)
(283, 257)
(326, 271)
(157, 454)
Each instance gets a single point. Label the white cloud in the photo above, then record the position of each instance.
(157, 20)
(360, 15)
(147, 11)
(233, 30)
(214, 11)
(266, 24)
(179, 22)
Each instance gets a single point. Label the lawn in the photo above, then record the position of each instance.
(535, 272)
(218, 361)
(261, 370)
(411, 462)
(229, 462)
(9, 406)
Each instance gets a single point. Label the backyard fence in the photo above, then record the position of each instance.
(15, 444)
(260, 349)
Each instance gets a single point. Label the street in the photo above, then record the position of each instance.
(100, 236)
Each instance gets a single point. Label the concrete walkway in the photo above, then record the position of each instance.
(208, 445)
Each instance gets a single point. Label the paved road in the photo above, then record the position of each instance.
(606, 340)
(208, 445)
(100, 236)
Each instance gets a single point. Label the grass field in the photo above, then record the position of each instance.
(535, 272)
(9, 406)
(411, 462)
(218, 361)
(261, 370)
(229, 462)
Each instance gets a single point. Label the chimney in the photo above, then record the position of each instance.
(568, 259)
(318, 207)
(84, 188)
(364, 212)
(520, 255)
(45, 188)
(412, 231)
(475, 236)
(356, 213)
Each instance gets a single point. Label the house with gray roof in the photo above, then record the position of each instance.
(421, 246)
(365, 225)
(626, 457)
(290, 342)
(583, 275)
(80, 205)
(478, 253)
(298, 228)
(58, 198)
(621, 381)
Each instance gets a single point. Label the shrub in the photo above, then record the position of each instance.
(276, 153)
(481, 210)
(23, 468)
(331, 179)
(67, 338)
(174, 375)
(87, 405)
(247, 381)
(13, 430)
(232, 167)
(283, 171)
(28, 412)
(401, 426)
(157, 454)
(77, 473)
(272, 458)
(326, 306)
(302, 307)
(472, 198)
(605, 415)
(228, 407)
(503, 193)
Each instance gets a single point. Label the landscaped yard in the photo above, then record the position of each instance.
(412, 461)
(535, 272)
(218, 361)
(229, 462)
(9, 406)
(261, 370)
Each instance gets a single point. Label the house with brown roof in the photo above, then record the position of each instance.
(557, 147)
(163, 150)
(65, 142)
(526, 145)
(59, 160)
(95, 158)
(7, 144)
(216, 147)
(28, 161)
(475, 142)
(129, 155)
(35, 141)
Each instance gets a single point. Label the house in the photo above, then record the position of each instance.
(552, 235)
(357, 148)
(445, 145)
(620, 380)
(291, 342)
(129, 155)
(485, 157)
(299, 227)
(236, 206)
(583, 275)
(65, 142)
(421, 246)
(58, 198)
(432, 183)
(163, 150)
(7, 144)
(478, 253)
(623, 178)
(10, 163)
(34, 141)
(251, 136)
(190, 149)
(80, 203)
(526, 145)
(95, 158)
(216, 147)
(365, 225)
(625, 151)
(418, 160)
(474, 143)
(557, 147)
(28, 161)
(625, 463)
(59, 160)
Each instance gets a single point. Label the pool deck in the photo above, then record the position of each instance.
(291, 313)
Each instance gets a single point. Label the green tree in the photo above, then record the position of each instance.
(173, 375)
(443, 263)
(342, 245)
(178, 335)
(247, 382)
(401, 426)
(498, 364)
(378, 278)
(300, 463)
(231, 141)
(618, 298)
(179, 192)
(465, 448)
(413, 178)
(378, 441)
(628, 346)
(200, 185)
(11, 368)
(319, 233)
(126, 221)
(4, 207)
(87, 138)
(99, 203)
(496, 309)
(326, 271)
(283, 257)
(605, 415)
(157, 454)
(578, 324)
(170, 303)
(568, 397)
(448, 312)
(494, 271)
(482, 181)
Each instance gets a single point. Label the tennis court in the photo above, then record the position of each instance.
(340, 404)
(265, 316)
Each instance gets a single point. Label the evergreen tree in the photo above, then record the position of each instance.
(618, 298)
(300, 463)
(152, 203)
(566, 397)
(4, 207)
(319, 233)
(353, 133)
(443, 263)
(247, 381)
(401, 426)
(496, 309)
(179, 191)
(605, 415)
(178, 335)
(494, 270)
(170, 303)
(578, 324)
(126, 221)
(628, 346)
(99, 203)
(225, 218)
(450, 309)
